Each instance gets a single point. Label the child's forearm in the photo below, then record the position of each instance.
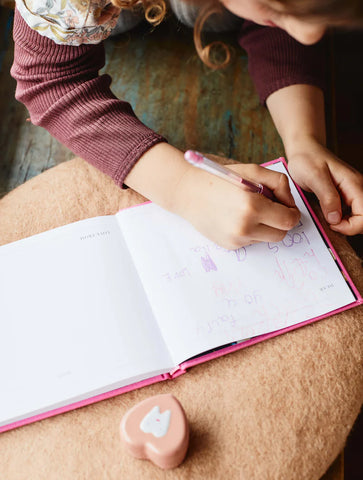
(298, 113)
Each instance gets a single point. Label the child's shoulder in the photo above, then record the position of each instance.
(70, 22)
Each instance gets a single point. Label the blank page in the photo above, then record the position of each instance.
(204, 296)
(74, 319)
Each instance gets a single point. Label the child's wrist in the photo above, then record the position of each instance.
(298, 114)
(158, 173)
(301, 143)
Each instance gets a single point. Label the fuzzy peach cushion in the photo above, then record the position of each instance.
(278, 410)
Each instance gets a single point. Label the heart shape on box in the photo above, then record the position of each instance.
(157, 429)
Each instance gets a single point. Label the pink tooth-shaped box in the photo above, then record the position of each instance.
(157, 429)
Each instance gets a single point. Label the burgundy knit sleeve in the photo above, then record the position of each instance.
(63, 92)
(276, 60)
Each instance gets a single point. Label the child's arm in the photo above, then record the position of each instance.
(289, 77)
(298, 113)
(61, 88)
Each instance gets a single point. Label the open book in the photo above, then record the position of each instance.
(111, 303)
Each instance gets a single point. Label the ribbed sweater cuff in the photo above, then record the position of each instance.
(276, 60)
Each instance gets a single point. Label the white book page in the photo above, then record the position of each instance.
(204, 296)
(74, 319)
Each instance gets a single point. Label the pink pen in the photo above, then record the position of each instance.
(200, 161)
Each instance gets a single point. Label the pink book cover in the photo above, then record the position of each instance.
(182, 368)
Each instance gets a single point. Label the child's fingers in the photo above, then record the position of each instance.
(278, 216)
(353, 195)
(263, 220)
(328, 196)
(275, 181)
(264, 233)
(350, 226)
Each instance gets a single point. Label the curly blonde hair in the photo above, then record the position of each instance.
(155, 10)
(215, 55)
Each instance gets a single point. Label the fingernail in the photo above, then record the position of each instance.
(334, 217)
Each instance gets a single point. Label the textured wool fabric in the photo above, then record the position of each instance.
(279, 410)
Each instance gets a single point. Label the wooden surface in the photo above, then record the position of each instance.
(26, 150)
(173, 93)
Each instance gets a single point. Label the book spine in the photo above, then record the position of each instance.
(179, 370)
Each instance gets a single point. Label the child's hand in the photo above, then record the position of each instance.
(227, 214)
(231, 216)
(337, 185)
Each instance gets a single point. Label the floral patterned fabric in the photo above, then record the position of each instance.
(70, 22)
